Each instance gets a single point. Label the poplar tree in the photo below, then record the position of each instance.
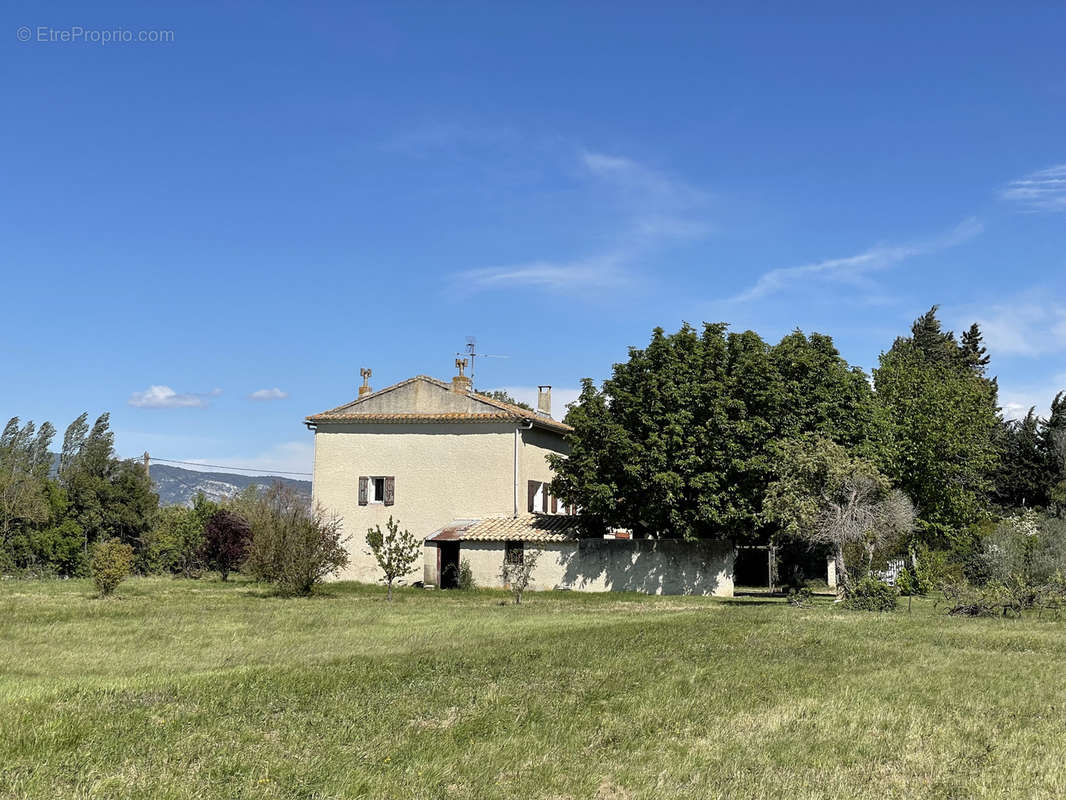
(945, 421)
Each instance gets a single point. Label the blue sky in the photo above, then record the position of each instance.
(279, 196)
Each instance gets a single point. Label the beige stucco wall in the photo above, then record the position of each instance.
(443, 471)
(601, 565)
(535, 447)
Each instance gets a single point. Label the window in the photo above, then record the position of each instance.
(514, 553)
(542, 501)
(537, 493)
(377, 489)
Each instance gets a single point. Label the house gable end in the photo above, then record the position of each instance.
(429, 399)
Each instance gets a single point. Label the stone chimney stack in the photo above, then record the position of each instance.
(544, 400)
(461, 383)
(365, 389)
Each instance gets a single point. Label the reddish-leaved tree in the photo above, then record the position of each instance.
(226, 540)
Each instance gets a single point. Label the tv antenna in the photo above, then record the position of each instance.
(472, 353)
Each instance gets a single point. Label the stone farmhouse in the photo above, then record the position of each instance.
(469, 474)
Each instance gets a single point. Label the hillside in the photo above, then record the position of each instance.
(178, 487)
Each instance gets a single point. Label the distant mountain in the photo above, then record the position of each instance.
(178, 487)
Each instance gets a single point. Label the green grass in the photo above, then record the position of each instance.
(199, 689)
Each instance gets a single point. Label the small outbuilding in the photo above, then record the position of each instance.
(569, 559)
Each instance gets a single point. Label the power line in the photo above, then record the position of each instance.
(224, 466)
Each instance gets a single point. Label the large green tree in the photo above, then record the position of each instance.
(24, 465)
(677, 441)
(945, 421)
(1024, 475)
(109, 497)
(1032, 469)
(1053, 444)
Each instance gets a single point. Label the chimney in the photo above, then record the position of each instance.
(461, 383)
(544, 400)
(365, 389)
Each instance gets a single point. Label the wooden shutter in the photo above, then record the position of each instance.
(363, 481)
(555, 505)
(390, 490)
(533, 485)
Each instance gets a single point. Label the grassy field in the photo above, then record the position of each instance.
(199, 689)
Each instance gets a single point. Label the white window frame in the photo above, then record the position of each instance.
(372, 495)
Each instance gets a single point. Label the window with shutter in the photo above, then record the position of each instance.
(533, 486)
(364, 482)
(390, 490)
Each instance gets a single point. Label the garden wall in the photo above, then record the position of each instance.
(619, 565)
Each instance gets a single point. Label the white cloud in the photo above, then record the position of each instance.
(854, 269)
(164, 397)
(1017, 400)
(1024, 326)
(602, 271)
(1044, 190)
(268, 394)
(643, 185)
(656, 209)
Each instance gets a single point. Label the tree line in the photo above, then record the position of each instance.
(707, 433)
(51, 514)
(86, 511)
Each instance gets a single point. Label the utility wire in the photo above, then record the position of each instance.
(223, 466)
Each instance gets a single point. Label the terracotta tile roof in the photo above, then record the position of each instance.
(503, 411)
(525, 527)
(449, 417)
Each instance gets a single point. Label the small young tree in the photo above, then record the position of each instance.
(111, 564)
(227, 537)
(516, 573)
(396, 551)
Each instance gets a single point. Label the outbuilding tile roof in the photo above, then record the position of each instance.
(524, 527)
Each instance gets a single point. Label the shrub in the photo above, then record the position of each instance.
(226, 540)
(870, 594)
(516, 574)
(111, 564)
(1008, 597)
(907, 583)
(59, 549)
(1017, 566)
(466, 575)
(801, 597)
(395, 551)
(293, 546)
(172, 544)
